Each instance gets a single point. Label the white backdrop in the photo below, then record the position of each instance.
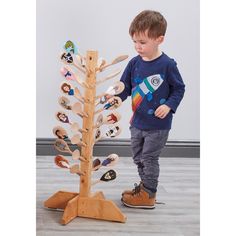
(103, 25)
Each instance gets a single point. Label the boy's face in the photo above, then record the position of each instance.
(146, 47)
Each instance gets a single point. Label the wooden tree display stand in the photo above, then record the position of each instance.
(85, 203)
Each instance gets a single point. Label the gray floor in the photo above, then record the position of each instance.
(178, 189)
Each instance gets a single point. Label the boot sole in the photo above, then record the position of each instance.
(139, 207)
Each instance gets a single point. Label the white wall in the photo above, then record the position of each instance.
(103, 25)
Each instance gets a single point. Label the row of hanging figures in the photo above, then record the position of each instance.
(108, 100)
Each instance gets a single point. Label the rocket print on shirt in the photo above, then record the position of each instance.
(146, 88)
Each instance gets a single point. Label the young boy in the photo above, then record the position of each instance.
(156, 88)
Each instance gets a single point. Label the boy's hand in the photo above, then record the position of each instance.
(162, 111)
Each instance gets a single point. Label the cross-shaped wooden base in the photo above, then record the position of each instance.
(94, 206)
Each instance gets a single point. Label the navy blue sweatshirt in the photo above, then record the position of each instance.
(151, 84)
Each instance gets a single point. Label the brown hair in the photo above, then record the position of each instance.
(152, 21)
(65, 85)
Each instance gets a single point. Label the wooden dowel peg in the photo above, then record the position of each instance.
(67, 58)
(76, 128)
(77, 109)
(115, 89)
(106, 177)
(112, 103)
(117, 72)
(62, 162)
(98, 135)
(70, 75)
(115, 61)
(81, 60)
(75, 169)
(62, 117)
(68, 89)
(77, 140)
(96, 164)
(99, 121)
(111, 118)
(112, 131)
(62, 146)
(76, 155)
(60, 132)
(64, 102)
(101, 62)
(111, 160)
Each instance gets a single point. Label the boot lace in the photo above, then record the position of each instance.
(137, 188)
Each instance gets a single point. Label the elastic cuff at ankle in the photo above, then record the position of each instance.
(149, 190)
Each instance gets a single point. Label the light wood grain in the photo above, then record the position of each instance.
(87, 152)
(83, 204)
(178, 189)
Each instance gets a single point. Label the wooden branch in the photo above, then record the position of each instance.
(115, 61)
(108, 77)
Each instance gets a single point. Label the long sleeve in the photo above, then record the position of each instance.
(126, 79)
(177, 87)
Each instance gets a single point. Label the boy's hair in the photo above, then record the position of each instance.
(152, 21)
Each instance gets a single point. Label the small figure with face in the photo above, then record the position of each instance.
(60, 133)
(67, 58)
(113, 103)
(62, 117)
(67, 89)
(113, 131)
(113, 118)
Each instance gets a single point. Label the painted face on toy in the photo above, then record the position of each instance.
(98, 134)
(63, 117)
(67, 57)
(60, 134)
(64, 102)
(111, 118)
(69, 45)
(65, 87)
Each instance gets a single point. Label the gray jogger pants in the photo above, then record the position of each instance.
(146, 147)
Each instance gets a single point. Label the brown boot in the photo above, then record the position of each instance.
(130, 191)
(142, 198)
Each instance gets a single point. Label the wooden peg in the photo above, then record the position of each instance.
(115, 89)
(76, 128)
(112, 103)
(68, 89)
(115, 73)
(111, 160)
(67, 58)
(106, 177)
(112, 131)
(77, 109)
(76, 140)
(115, 61)
(62, 162)
(112, 118)
(70, 75)
(64, 102)
(101, 62)
(75, 169)
(60, 133)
